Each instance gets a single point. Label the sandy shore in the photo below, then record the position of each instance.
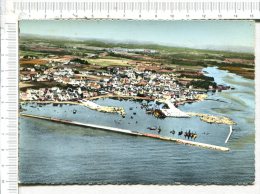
(213, 119)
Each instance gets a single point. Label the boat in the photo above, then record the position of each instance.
(159, 114)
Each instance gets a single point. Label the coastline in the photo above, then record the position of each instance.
(107, 109)
(112, 109)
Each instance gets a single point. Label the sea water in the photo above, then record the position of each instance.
(54, 153)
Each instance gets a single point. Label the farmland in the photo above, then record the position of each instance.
(99, 55)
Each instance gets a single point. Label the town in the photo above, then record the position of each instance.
(126, 82)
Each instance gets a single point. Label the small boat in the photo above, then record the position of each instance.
(74, 111)
(158, 114)
(180, 133)
(152, 128)
(172, 132)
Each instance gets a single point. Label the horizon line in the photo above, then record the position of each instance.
(243, 49)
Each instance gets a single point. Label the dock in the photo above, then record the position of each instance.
(129, 132)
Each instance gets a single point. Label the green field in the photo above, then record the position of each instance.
(183, 58)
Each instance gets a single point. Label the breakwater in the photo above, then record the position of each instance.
(129, 132)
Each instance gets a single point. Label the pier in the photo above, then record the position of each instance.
(230, 132)
(129, 132)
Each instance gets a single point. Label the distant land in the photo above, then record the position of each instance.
(239, 49)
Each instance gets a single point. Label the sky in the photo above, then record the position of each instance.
(209, 34)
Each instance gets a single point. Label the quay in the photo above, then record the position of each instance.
(129, 132)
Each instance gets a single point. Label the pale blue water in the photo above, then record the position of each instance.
(53, 153)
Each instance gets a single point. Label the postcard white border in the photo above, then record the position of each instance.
(176, 189)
